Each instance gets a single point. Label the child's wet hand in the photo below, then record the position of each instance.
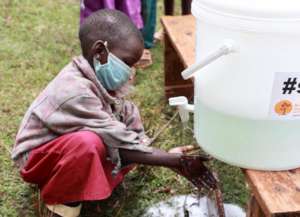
(193, 169)
(182, 149)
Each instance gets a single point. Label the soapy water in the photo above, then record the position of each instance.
(245, 142)
(191, 206)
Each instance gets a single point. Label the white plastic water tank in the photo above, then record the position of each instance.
(247, 102)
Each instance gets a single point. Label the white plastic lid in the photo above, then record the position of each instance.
(254, 15)
(273, 9)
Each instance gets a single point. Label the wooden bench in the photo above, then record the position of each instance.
(179, 53)
(274, 194)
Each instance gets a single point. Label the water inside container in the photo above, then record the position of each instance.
(248, 143)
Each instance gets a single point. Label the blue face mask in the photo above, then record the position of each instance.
(112, 74)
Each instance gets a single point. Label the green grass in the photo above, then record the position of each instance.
(37, 38)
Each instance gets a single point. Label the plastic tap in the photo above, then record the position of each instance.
(184, 108)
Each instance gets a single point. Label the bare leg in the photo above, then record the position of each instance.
(169, 7)
(186, 7)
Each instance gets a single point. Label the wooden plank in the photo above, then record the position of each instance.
(174, 83)
(182, 33)
(276, 192)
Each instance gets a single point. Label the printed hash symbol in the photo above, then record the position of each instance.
(289, 86)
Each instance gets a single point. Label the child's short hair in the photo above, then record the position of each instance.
(108, 25)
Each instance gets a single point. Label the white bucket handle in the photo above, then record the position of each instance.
(229, 46)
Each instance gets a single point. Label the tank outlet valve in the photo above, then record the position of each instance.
(227, 47)
(183, 107)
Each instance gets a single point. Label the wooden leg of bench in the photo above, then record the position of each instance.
(173, 67)
(254, 209)
(174, 83)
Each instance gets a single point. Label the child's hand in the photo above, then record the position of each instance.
(193, 169)
(182, 149)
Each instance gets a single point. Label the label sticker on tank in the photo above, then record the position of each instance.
(285, 102)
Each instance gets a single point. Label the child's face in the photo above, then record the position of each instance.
(115, 76)
(129, 52)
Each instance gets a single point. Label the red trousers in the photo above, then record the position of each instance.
(72, 168)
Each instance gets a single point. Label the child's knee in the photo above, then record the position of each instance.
(88, 142)
(88, 137)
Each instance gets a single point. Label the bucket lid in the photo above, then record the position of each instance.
(265, 16)
(273, 9)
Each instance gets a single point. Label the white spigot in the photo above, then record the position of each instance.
(184, 108)
(227, 47)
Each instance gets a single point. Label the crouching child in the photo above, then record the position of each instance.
(79, 137)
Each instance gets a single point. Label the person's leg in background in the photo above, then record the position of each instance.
(149, 18)
(169, 7)
(186, 7)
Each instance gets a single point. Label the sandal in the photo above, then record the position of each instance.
(159, 36)
(145, 61)
(60, 210)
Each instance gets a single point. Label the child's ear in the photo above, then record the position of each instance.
(100, 51)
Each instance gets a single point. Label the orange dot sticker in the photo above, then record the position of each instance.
(283, 107)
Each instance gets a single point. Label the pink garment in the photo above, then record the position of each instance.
(72, 168)
(132, 8)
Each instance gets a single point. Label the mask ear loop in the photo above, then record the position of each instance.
(105, 44)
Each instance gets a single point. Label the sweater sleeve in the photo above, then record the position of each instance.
(85, 112)
(131, 117)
